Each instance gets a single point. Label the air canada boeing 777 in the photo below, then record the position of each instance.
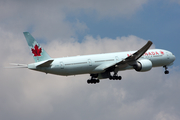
(99, 66)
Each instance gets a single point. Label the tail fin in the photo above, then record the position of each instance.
(38, 52)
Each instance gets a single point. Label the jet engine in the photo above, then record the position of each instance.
(143, 65)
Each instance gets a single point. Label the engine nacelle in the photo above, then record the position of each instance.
(143, 65)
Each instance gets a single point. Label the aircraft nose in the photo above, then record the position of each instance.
(173, 57)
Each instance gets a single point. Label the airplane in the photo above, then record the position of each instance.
(99, 66)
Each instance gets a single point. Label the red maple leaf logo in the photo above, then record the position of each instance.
(162, 52)
(36, 51)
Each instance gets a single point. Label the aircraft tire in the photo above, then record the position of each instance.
(166, 72)
(88, 81)
(97, 81)
(115, 78)
(93, 81)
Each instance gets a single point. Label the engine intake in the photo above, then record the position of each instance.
(143, 65)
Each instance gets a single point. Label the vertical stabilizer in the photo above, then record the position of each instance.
(38, 52)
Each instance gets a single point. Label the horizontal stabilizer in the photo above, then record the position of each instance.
(45, 64)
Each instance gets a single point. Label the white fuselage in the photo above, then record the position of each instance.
(93, 64)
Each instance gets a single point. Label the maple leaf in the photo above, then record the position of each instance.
(162, 52)
(36, 51)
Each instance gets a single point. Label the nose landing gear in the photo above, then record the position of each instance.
(166, 70)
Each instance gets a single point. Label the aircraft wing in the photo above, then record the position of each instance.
(130, 60)
(103, 67)
(137, 54)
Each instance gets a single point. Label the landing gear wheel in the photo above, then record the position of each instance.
(119, 77)
(93, 81)
(97, 81)
(88, 81)
(115, 78)
(166, 72)
(111, 77)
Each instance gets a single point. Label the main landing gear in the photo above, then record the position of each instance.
(93, 79)
(115, 77)
(166, 70)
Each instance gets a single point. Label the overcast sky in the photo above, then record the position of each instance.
(67, 28)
